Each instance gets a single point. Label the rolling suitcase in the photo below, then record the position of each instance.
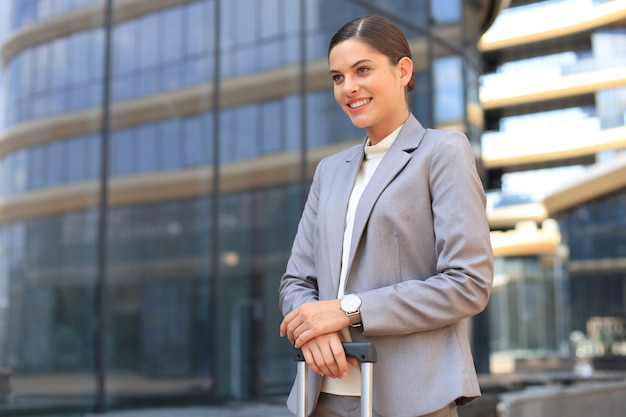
(364, 352)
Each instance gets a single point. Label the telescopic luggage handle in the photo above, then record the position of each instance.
(364, 352)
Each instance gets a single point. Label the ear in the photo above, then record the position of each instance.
(405, 66)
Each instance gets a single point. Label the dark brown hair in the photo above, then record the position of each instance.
(379, 33)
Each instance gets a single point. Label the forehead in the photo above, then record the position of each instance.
(348, 52)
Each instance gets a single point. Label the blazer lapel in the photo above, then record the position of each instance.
(394, 161)
(339, 197)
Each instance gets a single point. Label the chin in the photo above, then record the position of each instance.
(359, 122)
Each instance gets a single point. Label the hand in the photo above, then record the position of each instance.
(326, 357)
(311, 320)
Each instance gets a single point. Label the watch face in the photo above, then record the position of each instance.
(350, 303)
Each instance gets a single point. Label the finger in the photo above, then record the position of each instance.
(283, 329)
(322, 360)
(302, 338)
(293, 331)
(333, 356)
(310, 361)
(284, 325)
(303, 335)
(340, 358)
(325, 360)
(353, 361)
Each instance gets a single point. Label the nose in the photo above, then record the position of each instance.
(350, 85)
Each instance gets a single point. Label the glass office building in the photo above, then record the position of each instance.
(154, 161)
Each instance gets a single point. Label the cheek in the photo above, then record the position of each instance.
(380, 86)
(338, 95)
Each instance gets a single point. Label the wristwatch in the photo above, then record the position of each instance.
(351, 304)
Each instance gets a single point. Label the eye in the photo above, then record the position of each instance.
(337, 78)
(362, 70)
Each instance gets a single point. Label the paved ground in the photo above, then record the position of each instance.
(255, 409)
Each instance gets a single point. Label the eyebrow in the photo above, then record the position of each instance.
(356, 64)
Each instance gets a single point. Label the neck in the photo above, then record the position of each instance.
(376, 135)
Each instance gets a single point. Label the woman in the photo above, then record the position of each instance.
(393, 245)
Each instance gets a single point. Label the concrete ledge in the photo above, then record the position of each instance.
(593, 399)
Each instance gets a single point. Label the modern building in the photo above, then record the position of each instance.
(554, 96)
(153, 166)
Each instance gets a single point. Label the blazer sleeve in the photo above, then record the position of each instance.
(461, 278)
(298, 284)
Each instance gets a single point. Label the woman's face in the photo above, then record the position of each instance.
(369, 88)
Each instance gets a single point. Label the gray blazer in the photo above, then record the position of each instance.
(421, 261)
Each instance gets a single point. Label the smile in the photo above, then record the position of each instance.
(359, 103)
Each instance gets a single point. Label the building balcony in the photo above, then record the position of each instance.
(553, 19)
(557, 143)
(530, 85)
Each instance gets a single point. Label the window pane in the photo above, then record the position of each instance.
(146, 140)
(37, 167)
(92, 146)
(199, 27)
(27, 73)
(79, 57)
(292, 121)
(97, 54)
(124, 47)
(270, 13)
(198, 70)
(448, 80)
(445, 11)
(56, 164)
(246, 132)
(227, 127)
(194, 140)
(79, 97)
(170, 145)
(122, 87)
(149, 40)
(245, 23)
(13, 77)
(171, 36)
(121, 152)
(76, 156)
(42, 61)
(147, 82)
(59, 63)
(271, 127)
(3, 176)
(171, 75)
(20, 171)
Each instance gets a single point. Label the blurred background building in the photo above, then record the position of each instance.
(554, 100)
(148, 274)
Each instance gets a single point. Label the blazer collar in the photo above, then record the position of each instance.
(408, 139)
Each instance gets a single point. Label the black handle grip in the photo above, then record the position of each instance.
(364, 352)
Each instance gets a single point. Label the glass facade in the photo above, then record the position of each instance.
(203, 201)
(30, 11)
(595, 233)
(527, 309)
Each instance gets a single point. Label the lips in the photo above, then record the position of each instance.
(359, 103)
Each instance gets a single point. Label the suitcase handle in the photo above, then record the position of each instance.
(364, 352)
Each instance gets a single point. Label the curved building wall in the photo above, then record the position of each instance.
(204, 192)
(554, 92)
(553, 149)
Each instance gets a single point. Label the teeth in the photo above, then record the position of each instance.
(358, 104)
